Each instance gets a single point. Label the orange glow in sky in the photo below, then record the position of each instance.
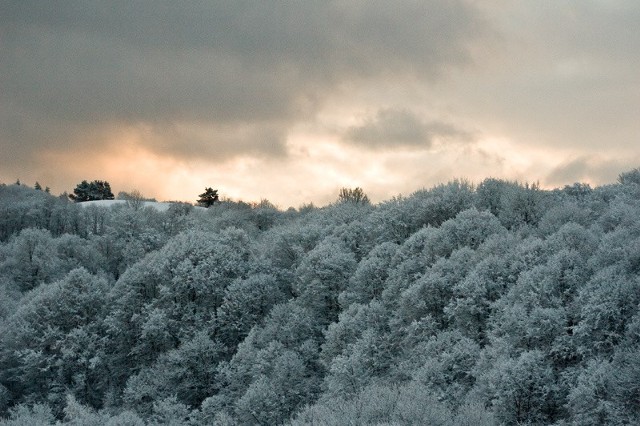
(291, 102)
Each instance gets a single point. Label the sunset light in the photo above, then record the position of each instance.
(290, 103)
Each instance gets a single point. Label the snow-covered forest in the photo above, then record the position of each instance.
(496, 303)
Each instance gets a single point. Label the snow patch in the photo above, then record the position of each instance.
(162, 207)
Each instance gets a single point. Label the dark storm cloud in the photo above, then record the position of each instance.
(76, 64)
(401, 128)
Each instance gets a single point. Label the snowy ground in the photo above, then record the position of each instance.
(110, 203)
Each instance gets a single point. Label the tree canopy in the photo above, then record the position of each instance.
(208, 197)
(500, 303)
(92, 191)
(355, 195)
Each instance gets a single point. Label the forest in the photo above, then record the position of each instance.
(461, 304)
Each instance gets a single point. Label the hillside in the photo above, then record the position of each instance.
(110, 203)
(500, 303)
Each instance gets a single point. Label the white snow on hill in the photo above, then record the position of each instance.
(110, 203)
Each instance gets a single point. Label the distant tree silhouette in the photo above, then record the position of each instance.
(134, 199)
(632, 176)
(208, 197)
(91, 191)
(37, 186)
(355, 196)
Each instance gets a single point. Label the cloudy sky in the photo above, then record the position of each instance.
(291, 101)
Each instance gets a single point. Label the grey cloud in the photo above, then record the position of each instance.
(217, 143)
(593, 28)
(590, 168)
(570, 172)
(402, 128)
(83, 63)
(567, 77)
(335, 34)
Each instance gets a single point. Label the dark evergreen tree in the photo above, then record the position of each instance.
(81, 192)
(208, 197)
(91, 191)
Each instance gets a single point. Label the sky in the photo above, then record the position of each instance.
(291, 101)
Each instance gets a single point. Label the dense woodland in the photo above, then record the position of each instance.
(496, 303)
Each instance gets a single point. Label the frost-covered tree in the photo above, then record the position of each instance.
(322, 276)
(245, 304)
(30, 259)
(368, 280)
(521, 389)
(497, 304)
(630, 177)
(171, 294)
(52, 344)
(186, 373)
